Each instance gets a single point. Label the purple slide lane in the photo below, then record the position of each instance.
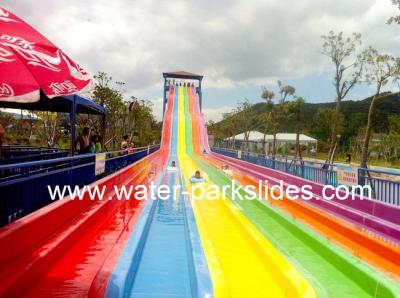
(372, 216)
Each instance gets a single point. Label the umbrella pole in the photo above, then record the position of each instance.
(73, 125)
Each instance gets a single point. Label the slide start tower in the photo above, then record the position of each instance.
(178, 77)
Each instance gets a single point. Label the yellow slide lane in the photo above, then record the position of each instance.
(241, 261)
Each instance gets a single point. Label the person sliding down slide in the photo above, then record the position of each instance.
(172, 167)
(228, 172)
(197, 178)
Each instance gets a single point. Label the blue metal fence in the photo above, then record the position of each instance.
(385, 185)
(24, 186)
(316, 172)
(119, 159)
(18, 154)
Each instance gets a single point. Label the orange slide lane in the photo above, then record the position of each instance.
(369, 248)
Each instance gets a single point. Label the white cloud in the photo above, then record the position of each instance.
(215, 114)
(233, 43)
(157, 107)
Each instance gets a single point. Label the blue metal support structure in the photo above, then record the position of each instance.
(73, 125)
(184, 75)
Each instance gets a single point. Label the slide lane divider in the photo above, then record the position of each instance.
(202, 284)
(121, 280)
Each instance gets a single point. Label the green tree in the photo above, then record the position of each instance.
(265, 119)
(132, 117)
(274, 117)
(296, 115)
(324, 124)
(391, 142)
(348, 66)
(379, 69)
(112, 99)
(243, 120)
(394, 19)
(285, 91)
(228, 127)
(140, 121)
(50, 130)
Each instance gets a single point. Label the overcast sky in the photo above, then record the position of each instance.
(237, 45)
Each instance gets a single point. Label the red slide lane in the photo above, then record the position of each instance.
(59, 249)
(99, 284)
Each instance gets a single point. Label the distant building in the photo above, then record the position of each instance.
(284, 141)
(19, 114)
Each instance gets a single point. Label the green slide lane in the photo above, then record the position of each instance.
(332, 271)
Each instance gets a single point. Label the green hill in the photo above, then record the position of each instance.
(355, 113)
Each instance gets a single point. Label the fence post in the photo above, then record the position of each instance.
(360, 179)
(286, 164)
(327, 173)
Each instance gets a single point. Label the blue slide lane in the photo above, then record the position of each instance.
(163, 256)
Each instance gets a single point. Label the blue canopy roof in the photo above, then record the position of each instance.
(59, 104)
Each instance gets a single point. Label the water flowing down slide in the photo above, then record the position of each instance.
(165, 245)
(58, 250)
(373, 249)
(324, 260)
(244, 263)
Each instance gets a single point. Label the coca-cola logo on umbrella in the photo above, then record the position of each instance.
(30, 62)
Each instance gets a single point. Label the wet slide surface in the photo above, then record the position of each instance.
(72, 239)
(366, 246)
(189, 246)
(67, 260)
(233, 246)
(329, 265)
(162, 268)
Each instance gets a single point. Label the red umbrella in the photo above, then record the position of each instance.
(30, 62)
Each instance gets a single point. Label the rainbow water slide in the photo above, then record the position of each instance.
(60, 249)
(242, 262)
(163, 256)
(360, 241)
(163, 259)
(323, 262)
(188, 246)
